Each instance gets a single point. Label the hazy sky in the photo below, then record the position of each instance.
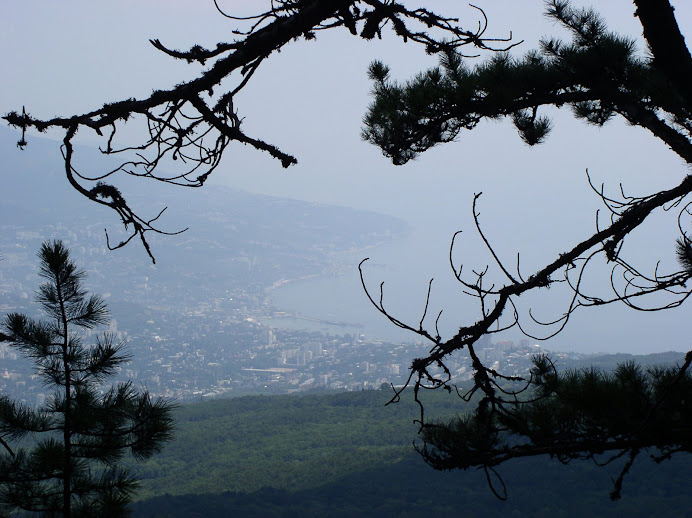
(60, 58)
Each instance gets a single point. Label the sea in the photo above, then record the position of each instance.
(399, 271)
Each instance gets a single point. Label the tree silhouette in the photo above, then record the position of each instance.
(83, 429)
(598, 74)
(195, 121)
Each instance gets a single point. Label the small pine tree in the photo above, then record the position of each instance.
(82, 430)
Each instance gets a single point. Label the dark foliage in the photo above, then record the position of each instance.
(67, 462)
(578, 414)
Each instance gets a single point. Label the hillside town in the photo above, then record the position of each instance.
(202, 326)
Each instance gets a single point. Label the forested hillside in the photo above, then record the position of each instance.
(284, 442)
(346, 454)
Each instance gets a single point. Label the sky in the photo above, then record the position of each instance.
(61, 58)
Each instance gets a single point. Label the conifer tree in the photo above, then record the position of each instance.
(67, 464)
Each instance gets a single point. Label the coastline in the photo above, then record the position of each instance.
(330, 284)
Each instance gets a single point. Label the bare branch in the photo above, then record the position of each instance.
(191, 124)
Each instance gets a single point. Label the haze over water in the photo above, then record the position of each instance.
(406, 266)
